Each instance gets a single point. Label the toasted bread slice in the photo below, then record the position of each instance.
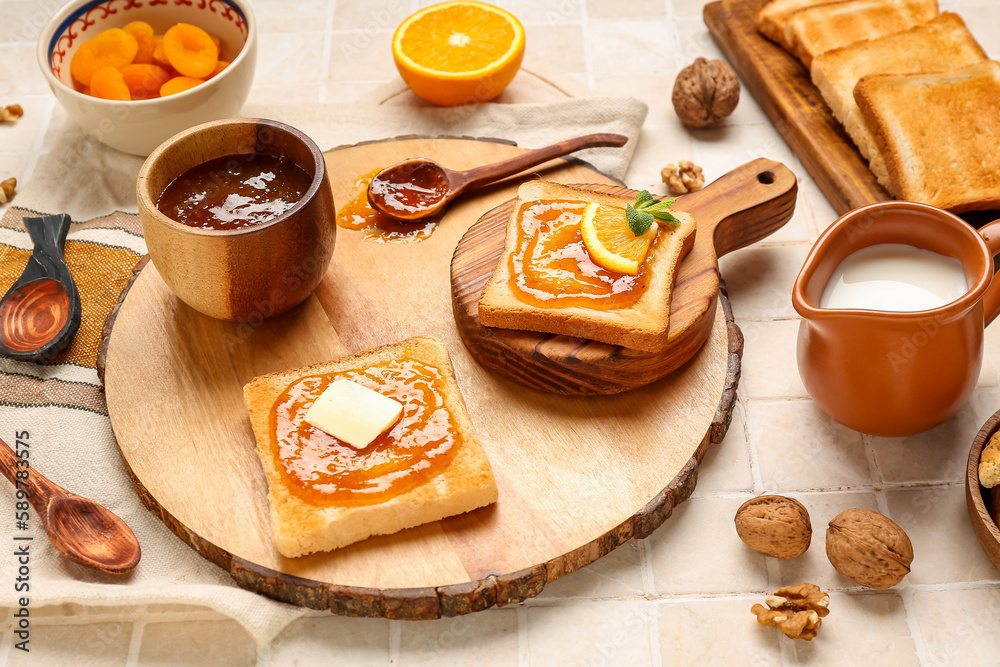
(773, 17)
(815, 30)
(943, 43)
(642, 326)
(938, 134)
(301, 527)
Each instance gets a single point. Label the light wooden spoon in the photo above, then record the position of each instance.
(80, 529)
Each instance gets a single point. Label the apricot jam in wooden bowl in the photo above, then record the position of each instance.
(257, 255)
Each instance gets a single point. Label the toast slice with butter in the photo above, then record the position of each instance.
(938, 134)
(815, 30)
(642, 325)
(943, 43)
(303, 523)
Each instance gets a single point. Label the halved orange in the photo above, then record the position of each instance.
(458, 52)
(611, 242)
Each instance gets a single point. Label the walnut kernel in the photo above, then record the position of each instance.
(795, 610)
(705, 92)
(868, 548)
(989, 463)
(7, 189)
(683, 177)
(10, 112)
(774, 526)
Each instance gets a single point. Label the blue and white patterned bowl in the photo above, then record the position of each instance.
(139, 126)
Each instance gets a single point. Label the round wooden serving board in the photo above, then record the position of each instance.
(740, 208)
(577, 476)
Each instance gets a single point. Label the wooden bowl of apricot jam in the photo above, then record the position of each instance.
(238, 217)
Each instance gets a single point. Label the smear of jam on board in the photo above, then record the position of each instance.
(321, 469)
(234, 191)
(551, 268)
(358, 214)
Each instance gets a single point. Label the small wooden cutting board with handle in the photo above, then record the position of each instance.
(739, 209)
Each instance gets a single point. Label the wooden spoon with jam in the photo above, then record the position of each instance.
(418, 188)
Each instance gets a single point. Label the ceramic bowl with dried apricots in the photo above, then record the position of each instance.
(135, 74)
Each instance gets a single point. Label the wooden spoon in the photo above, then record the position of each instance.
(418, 188)
(80, 529)
(40, 313)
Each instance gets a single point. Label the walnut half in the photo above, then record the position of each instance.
(7, 190)
(795, 610)
(10, 112)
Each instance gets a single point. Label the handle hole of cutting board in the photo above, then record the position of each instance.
(766, 177)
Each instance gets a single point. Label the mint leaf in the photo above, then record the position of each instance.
(666, 216)
(643, 199)
(638, 221)
(659, 206)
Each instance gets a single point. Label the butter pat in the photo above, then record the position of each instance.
(353, 413)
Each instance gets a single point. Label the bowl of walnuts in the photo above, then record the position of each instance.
(982, 487)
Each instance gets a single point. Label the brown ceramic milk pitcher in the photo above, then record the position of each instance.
(893, 373)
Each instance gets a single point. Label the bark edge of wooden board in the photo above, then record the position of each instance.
(153, 458)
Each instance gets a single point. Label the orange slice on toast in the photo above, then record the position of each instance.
(611, 242)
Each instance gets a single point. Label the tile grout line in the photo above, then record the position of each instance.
(135, 640)
(649, 592)
(753, 455)
(587, 59)
(653, 628)
(523, 649)
(913, 625)
(324, 71)
(905, 595)
(394, 631)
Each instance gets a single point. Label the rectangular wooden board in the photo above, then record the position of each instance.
(783, 88)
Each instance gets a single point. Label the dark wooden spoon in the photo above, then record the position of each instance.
(418, 188)
(40, 313)
(80, 529)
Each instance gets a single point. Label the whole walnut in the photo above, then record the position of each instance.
(774, 526)
(705, 92)
(868, 548)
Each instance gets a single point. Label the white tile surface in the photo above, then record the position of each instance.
(682, 596)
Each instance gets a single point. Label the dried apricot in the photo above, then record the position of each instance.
(159, 56)
(107, 83)
(219, 66)
(110, 48)
(144, 81)
(179, 84)
(143, 33)
(190, 50)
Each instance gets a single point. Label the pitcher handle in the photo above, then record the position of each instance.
(991, 299)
